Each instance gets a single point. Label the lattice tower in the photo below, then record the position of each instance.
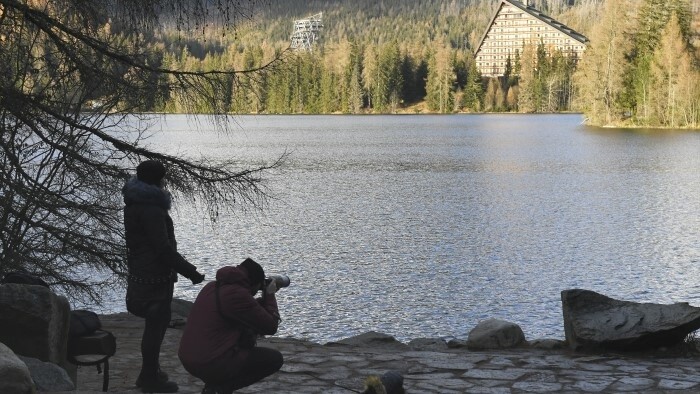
(307, 32)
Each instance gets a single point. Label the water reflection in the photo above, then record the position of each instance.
(420, 226)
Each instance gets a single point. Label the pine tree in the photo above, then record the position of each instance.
(654, 15)
(441, 79)
(473, 91)
(527, 99)
(370, 70)
(671, 78)
(390, 82)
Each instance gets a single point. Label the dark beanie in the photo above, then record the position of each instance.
(150, 171)
(255, 271)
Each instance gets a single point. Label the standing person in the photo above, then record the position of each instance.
(153, 263)
(218, 343)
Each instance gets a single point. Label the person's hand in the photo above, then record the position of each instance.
(197, 278)
(271, 288)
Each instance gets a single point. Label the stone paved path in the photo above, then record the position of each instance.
(334, 368)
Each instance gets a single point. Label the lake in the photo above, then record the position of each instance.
(424, 225)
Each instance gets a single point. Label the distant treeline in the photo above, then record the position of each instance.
(389, 56)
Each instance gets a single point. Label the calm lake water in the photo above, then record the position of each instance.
(422, 226)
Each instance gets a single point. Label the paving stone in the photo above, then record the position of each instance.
(420, 369)
(501, 361)
(592, 359)
(294, 378)
(453, 383)
(497, 374)
(311, 360)
(334, 374)
(538, 387)
(633, 369)
(596, 367)
(430, 376)
(489, 390)
(632, 384)
(561, 361)
(447, 364)
(347, 358)
(429, 387)
(354, 383)
(666, 384)
(670, 370)
(312, 368)
(545, 363)
(493, 383)
(593, 385)
(296, 368)
(542, 376)
(427, 354)
(690, 377)
(385, 357)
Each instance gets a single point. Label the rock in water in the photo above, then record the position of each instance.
(592, 320)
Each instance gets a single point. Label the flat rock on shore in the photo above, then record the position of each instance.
(343, 367)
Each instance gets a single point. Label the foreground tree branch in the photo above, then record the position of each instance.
(64, 159)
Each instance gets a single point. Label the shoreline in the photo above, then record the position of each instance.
(407, 112)
(427, 366)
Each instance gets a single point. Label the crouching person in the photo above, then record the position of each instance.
(218, 344)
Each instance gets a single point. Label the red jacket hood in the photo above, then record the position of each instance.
(230, 274)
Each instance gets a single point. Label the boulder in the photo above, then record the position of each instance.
(48, 376)
(14, 374)
(34, 322)
(456, 343)
(372, 339)
(180, 310)
(433, 344)
(495, 334)
(595, 321)
(547, 344)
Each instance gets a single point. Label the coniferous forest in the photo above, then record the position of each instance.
(641, 67)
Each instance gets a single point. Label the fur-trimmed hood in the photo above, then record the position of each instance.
(138, 192)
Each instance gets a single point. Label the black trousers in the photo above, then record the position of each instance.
(260, 363)
(157, 320)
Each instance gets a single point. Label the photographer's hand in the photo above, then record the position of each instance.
(271, 288)
(197, 278)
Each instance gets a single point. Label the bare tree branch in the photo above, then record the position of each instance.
(64, 160)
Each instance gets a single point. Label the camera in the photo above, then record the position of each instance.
(280, 280)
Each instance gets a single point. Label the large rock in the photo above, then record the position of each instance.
(48, 376)
(14, 374)
(180, 310)
(34, 323)
(495, 334)
(592, 320)
(372, 339)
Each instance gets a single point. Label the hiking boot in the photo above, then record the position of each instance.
(158, 386)
(161, 376)
(211, 389)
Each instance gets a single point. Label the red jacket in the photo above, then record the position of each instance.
(207, 335)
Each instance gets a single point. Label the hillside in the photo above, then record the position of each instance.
(413, 24)
(418, 56)
(460, 22)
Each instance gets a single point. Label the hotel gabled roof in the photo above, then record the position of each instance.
(537, 14)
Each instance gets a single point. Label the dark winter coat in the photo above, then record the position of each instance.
(208, 337)
(152, 250)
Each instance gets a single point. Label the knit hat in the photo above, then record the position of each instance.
(150, 171)
(256, 274)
